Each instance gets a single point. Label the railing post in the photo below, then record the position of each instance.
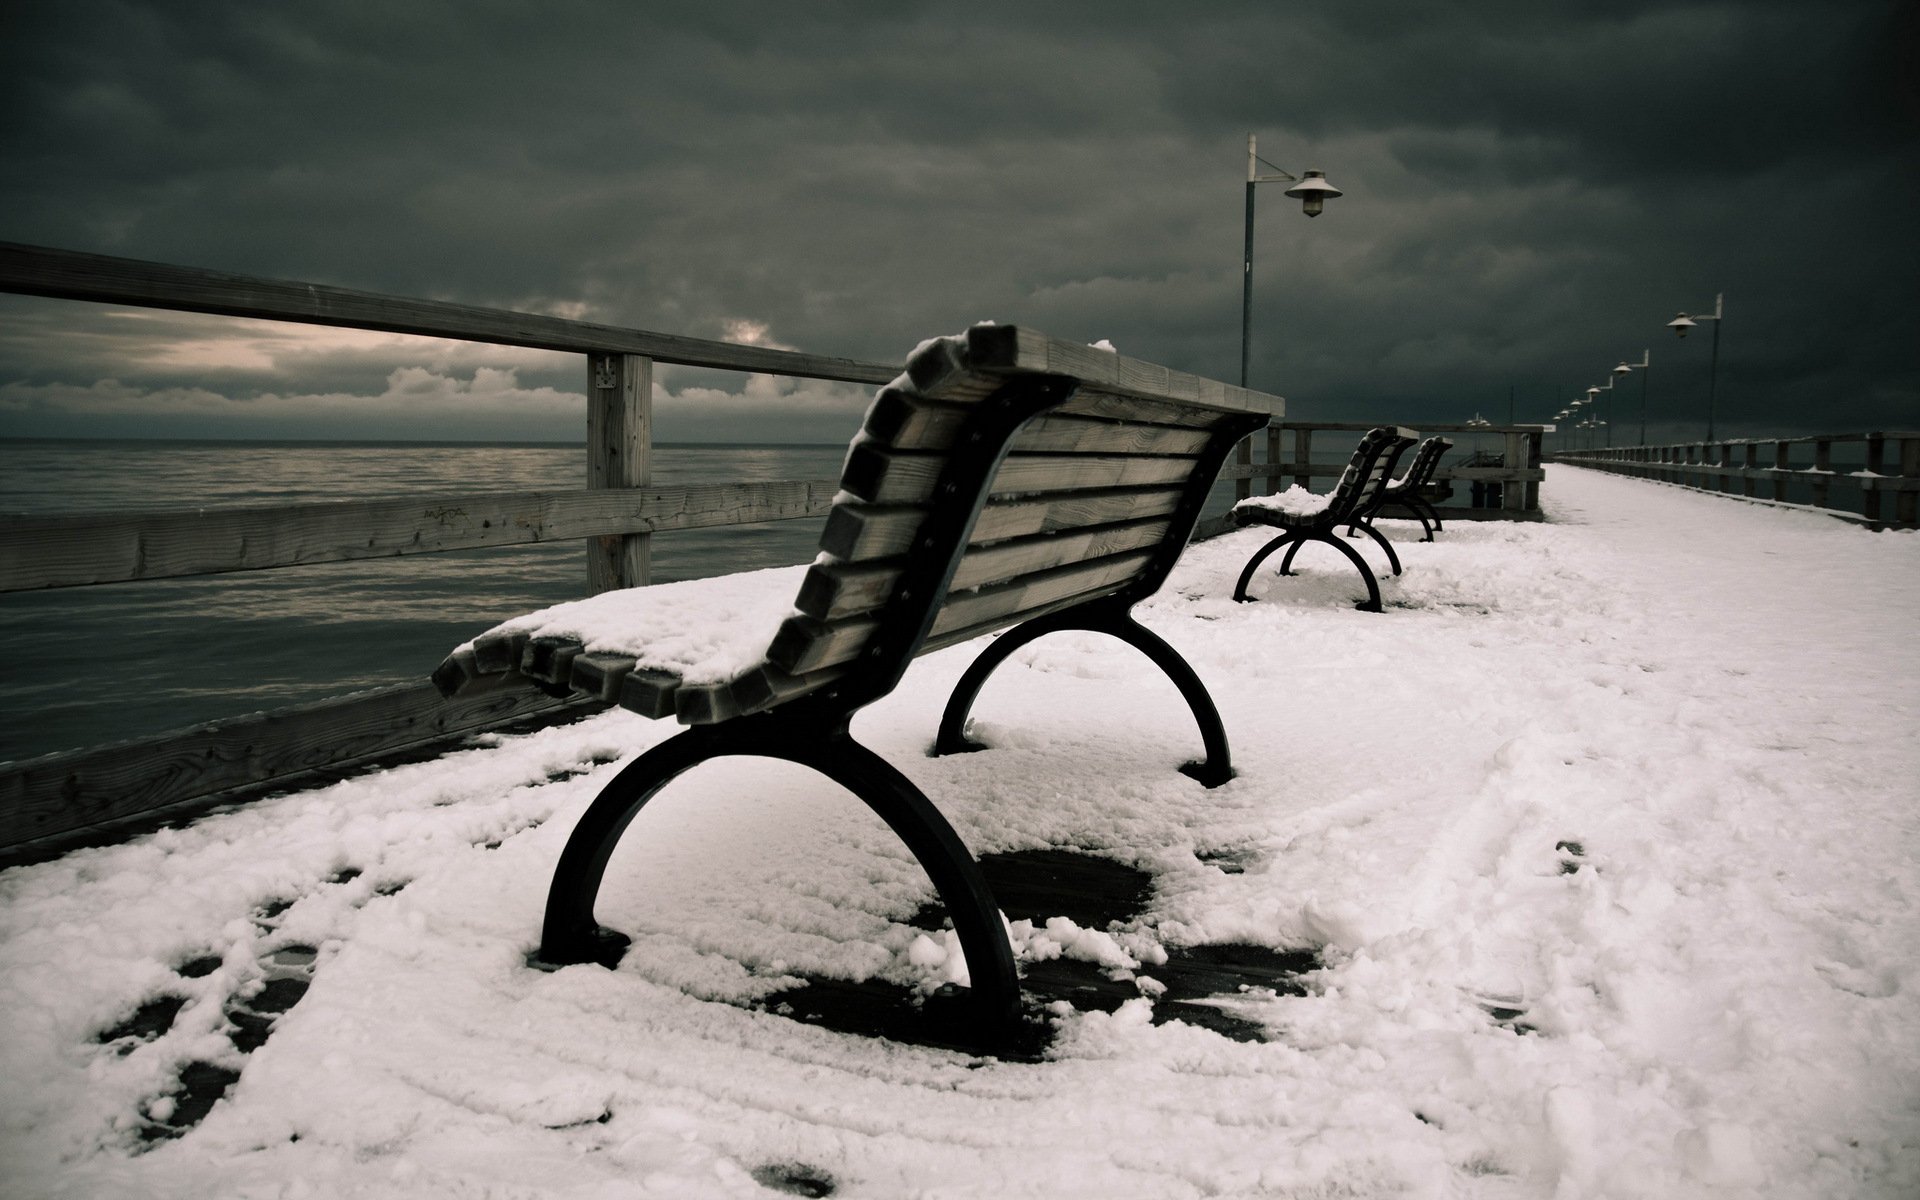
(1781, 465)
(1751, 463)
(619, 455)
(1302, 457)
(1273, 459)
(1513, 494)
(1532, 488)
(1823, 472)
(1906, 505)
(1243, 456)
(1876, 465)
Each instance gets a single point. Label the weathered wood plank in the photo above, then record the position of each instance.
(835, 590)
(619, 455)
(600, 676)
(47, 552)
(1008, 348)
(68, 275)
(857, 532)
(882, 477)
(95, 790)
(902, 421)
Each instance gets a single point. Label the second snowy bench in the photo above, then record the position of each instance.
(1005, 481)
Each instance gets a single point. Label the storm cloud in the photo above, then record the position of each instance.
(1532, 191)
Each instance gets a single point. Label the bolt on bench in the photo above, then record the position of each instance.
(1006, 480)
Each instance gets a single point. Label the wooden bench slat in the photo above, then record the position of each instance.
(834, 590)
(805, 644)
(856, 532)
(879, 476)
(600, 675)
(649, 693)
(1103, 423)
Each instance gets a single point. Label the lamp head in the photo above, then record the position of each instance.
(1313, 191)
(1681, 324)
(1622, 369)
(1592, 392)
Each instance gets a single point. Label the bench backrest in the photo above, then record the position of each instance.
(1425, 461)
(1368, 471)
(1003, 476)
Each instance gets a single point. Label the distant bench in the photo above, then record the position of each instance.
(1006, 479)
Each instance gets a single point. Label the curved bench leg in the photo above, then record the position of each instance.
(1246, 573)
(1372, 603)
(1392, 558)
(571, 935)
(1426, 530)
(952, 737)
(1286, 560)
(1218, 767)
(1117, 622)
(1431, 511)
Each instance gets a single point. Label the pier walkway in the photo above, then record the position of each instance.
(1593, 865)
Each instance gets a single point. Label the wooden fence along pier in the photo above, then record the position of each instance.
(58, 800)
(1791, 470)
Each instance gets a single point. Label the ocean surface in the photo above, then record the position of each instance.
(91, 665)
(97, 664)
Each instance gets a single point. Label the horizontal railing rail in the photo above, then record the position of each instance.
(93, 548)
(1792, 470)
(70, 275)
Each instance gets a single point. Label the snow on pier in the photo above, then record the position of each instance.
(1599, 849)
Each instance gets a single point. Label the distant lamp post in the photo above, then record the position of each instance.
(1593, 397)
(1646, 361)
(1684, 322)
(1312, 190)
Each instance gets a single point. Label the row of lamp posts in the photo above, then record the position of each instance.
(1590, 400)
(1313, 191)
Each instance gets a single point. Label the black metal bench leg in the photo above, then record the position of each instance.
(1116, 621)
(1218, 767)
(956, 875)
(571, 935)
(1286, 560)
(1430, 511)
(1392, 558)
(952, 736)
(1426, 530)
(1253, 564)
(1372, 603)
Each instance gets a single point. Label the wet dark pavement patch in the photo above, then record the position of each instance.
(1200, 982)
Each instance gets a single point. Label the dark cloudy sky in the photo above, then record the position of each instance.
(1533, 190)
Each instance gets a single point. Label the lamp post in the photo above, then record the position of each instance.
(1684, 322)
(1313, 191)
(1646, 361)
(1593, 394)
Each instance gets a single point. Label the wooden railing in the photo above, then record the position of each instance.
(58, 799)
(1801, 470)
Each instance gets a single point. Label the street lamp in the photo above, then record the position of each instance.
(1684, 322)
(1646, 360)
(1593, 394)
(1313, 191)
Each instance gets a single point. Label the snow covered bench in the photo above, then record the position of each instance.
(1304, 516)
(1005, 481)
(1409, 490)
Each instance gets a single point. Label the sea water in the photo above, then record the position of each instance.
(89, 665)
